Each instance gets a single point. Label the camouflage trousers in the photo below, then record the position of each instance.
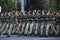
(39, 27)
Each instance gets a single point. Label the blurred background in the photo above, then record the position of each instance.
(9, 5)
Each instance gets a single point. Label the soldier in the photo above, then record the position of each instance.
(3, 23)
(43, 23)
(27, 27)
(15, 22)
(6, 19)
(34, 14)
(2, 18)
(24, 15)
(57, 16)
(11, 22)
(21, 16)
(16, 19)
(49, 18)
(30, 15)
(5, 16)
(7, 24)
(20, 23)
(39, 14)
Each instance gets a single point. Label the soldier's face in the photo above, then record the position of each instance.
(57, 13)
(34, 10)
(48, 11)
(28, 13)
(9, 14)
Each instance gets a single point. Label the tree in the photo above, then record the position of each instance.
(9, 5)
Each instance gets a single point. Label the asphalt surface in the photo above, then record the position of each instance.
(15, 37)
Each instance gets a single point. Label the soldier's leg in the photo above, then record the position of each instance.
(10, 29)
(47, 28)
(39, 28)
(56, 29)
(13, 30)
(49, 25)
(6, 28)
(27, 27)
(22, 28)
(2, 28)
(1, 24)
(36, 28)
(31, 28)
(51, 29)
(42, 27)
(19, 27)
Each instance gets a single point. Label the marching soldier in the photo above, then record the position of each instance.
(26, 16)
(21, 16)
(49, 18)
(39, 14)
(5, 16)
(2, 18)
(30, 15)
(3, 23)
(34, 14)
(16, 18)
(43, 23)
(57, 23)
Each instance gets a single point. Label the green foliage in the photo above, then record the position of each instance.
(58, 5)
(8, 5)
(53, 5)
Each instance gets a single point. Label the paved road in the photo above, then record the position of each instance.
(29, 38)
